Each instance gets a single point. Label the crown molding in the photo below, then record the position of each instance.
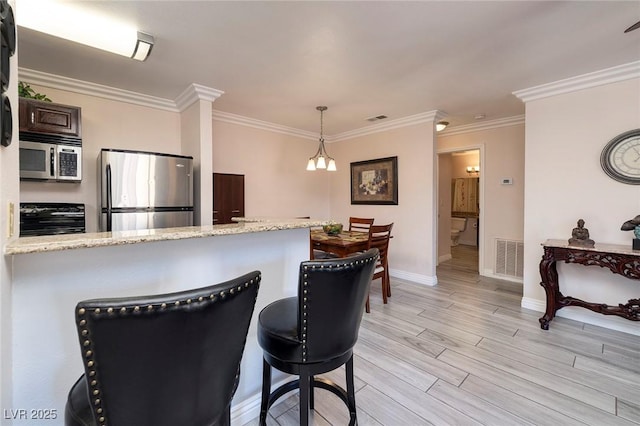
(196, 92)
(191, 94)
(241, 120)
(92, 89)
(485, 125)
(264, 125)
(425, 117)
(584, 81)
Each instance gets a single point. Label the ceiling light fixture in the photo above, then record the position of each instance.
(376, 118)
(84, 27)
(318, 160)
(441, 125)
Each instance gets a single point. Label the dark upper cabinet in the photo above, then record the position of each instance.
(228, 197)
(47, 117)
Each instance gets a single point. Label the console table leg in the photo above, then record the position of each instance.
(544, 322)
(549, 275)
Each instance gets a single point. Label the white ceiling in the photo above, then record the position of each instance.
(276, 61)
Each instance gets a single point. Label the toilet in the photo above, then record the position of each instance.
(458, 224)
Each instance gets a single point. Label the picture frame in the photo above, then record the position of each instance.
(375, 181)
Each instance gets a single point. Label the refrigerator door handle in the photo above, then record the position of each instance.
(109, 200)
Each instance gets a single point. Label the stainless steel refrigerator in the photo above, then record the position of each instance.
(145, 190)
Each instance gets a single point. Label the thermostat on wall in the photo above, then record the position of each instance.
(506, 181)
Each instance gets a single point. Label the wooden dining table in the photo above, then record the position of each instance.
(343, 244)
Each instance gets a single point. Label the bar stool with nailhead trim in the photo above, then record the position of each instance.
(315, 332)
(171, 359)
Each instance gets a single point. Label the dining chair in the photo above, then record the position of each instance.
(170, 359)
(360, 224)
(315, 332)
(379, 236)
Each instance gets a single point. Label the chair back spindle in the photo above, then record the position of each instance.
(360, 224)
(379, 236)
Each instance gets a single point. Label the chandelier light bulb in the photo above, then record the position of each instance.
(321, 164)
(311, 165)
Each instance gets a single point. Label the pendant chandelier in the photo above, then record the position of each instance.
(319, 160)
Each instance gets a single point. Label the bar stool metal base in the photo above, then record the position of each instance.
(307, 383)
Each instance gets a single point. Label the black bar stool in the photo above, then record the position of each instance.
(171, 359)
(315, 332)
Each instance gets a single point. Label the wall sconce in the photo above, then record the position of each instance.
(441, 125)
(81, 26)
(473, 170)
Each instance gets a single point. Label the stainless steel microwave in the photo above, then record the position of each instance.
(50, 161)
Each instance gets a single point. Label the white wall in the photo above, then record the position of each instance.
(105, 124)
(504, 156)
(274, 164)
(444, 206)
(196, 136)
(412, 251)
(9, 193)
(564, 138)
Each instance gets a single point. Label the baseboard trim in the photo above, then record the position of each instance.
(444, 258)
(533, 304)
(489, 273)
(413, 277)
(249, 409)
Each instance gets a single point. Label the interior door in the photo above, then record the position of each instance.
(228, 197)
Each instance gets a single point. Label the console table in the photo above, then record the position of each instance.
(619, 259)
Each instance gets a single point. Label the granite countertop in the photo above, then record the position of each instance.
(279, 219)
(27, 245)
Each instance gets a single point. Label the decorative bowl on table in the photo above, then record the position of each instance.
(332, 228)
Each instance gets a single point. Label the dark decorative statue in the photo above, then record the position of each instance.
(580, 236)
(633, 225)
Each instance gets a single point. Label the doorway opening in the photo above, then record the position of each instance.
(459, 208)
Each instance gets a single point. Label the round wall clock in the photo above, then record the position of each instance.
(620, 158)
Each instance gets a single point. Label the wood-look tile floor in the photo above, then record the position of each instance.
(465, 352)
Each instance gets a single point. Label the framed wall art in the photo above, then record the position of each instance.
(375, 181)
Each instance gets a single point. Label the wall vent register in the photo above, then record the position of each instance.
(509, 258)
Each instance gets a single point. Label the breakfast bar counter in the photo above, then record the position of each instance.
(51, 274)
(29, 245)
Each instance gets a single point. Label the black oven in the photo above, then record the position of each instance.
(51, 219)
